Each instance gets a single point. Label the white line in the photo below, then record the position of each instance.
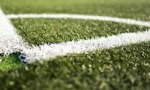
(85, 17)
(51, 51)
(9, 41)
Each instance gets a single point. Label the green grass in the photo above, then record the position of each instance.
(125, 68)
(119, 8)
(120, 68)
(62, 30)
(9, 62)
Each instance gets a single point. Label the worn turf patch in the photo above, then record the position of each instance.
(126, 67)
(62, 30)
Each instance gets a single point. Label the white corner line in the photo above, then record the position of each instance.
(85, 17)
(11, 42)
(51, 51)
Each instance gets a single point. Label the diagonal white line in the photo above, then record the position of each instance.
(10, 42)
(51, 51)
(85, 17)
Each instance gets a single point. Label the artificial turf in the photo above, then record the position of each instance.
(121, 68)
(9, 62)
(118, 8)
(125, 68)
(62, 30)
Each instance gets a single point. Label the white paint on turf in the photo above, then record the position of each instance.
(50, 51)
(85, 17)
(10, 41)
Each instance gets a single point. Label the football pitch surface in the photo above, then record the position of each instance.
(81, 43)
